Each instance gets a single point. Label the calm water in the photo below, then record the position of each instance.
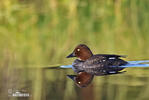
(40, 84)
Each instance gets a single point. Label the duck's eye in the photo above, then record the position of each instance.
(78, 49)
(79, 82)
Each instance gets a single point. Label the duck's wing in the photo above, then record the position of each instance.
(103, 60)
(103, 64)
(111, 55)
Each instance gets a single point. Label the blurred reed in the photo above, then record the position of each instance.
(44, 32)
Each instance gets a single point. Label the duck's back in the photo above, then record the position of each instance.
(102, 64)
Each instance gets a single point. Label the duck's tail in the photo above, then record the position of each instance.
(140, 63)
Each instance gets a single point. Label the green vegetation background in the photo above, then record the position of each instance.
(39, 33)
(44, 32)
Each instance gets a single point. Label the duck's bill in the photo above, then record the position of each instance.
(71, 55)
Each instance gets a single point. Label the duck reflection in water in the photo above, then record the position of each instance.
(89, 65)
(82, 79)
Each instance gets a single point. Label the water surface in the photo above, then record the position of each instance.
(52, 84)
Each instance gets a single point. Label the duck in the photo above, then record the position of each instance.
(95, 64)
(87, 65)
